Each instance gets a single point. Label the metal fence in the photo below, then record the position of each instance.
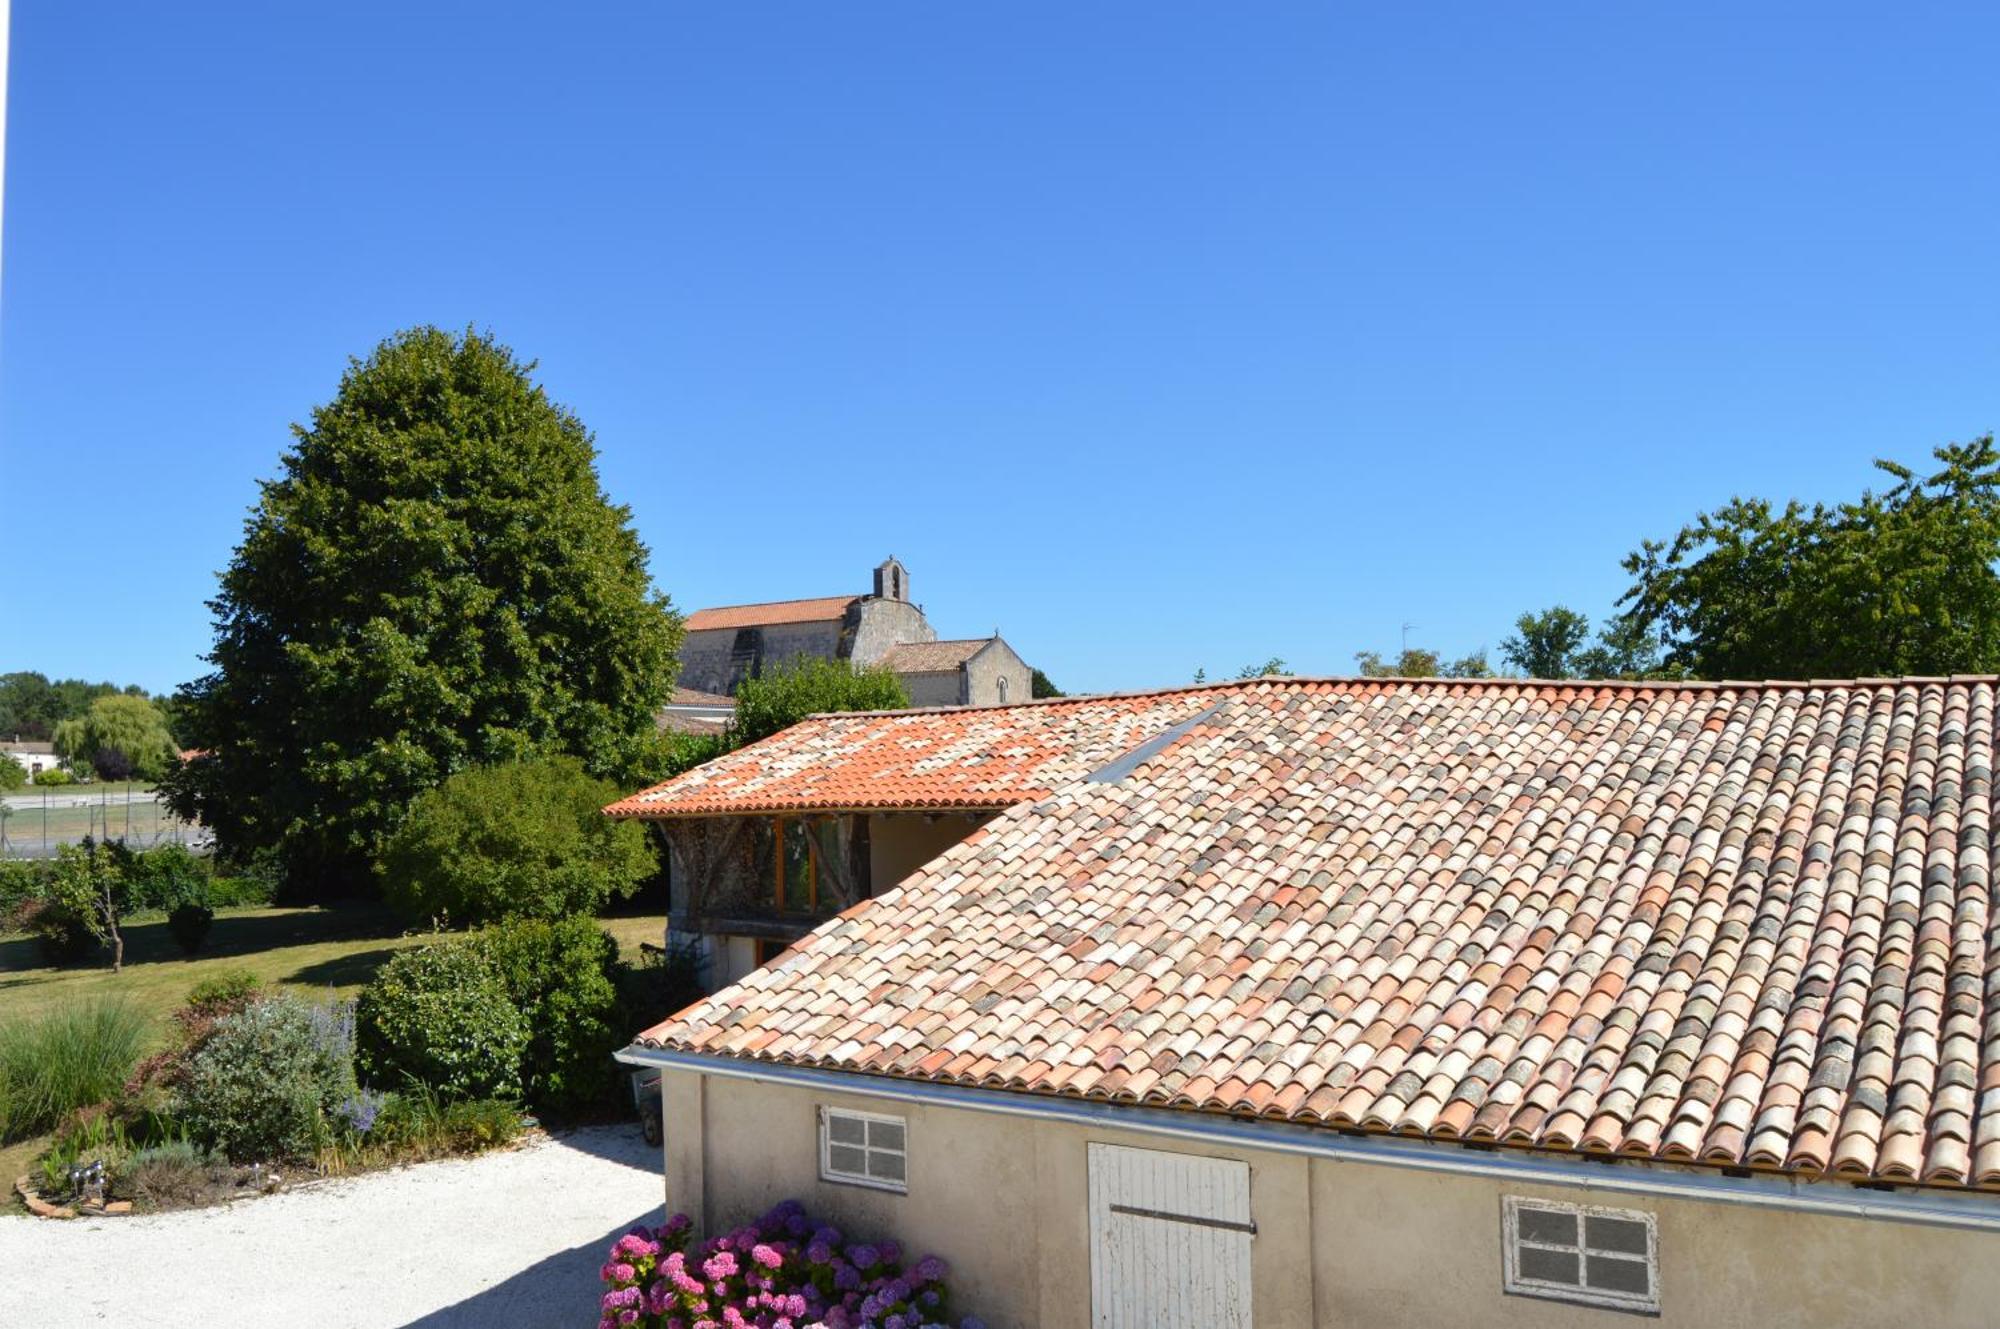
(34, 822)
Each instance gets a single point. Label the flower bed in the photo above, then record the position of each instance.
(783, 1271)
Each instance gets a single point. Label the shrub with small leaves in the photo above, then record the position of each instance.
(441, 1016)
(560, 975)
(189, 924)
(269, 1081)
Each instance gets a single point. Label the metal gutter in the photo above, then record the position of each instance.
(1926, 1206)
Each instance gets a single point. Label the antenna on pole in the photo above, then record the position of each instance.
(1406, 636)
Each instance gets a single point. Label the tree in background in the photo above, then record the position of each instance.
(525, 840)
(88, 886)
(120, 737)
(777, 699)
(1416, 662)
(1041, 686)
(1274, 667)
(1546, 645)
(31, 706)
(1900, 582)
(781, 697)
(435, 581)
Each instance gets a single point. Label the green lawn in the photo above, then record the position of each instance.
(313, 950)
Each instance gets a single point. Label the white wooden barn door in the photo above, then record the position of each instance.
(1169, 1240)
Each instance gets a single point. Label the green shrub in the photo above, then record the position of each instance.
(524, 840)
(439, 1015)
(562, 977)
(62, 933)
(12, 774)
(268, 1082)
(224, 993)
(190, 923)
(240, 892)
(163, 1176)
(20, 894)
(167, 878)
(76, 1055)
(51, 776)
(419, 1123)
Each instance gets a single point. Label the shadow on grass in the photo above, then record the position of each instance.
(351, 970)
(559, 1289)
(234, 935)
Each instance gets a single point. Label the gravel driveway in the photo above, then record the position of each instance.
(509, 1239)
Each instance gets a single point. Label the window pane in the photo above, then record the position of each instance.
(886, 1135)
(1547, 1225)
(1614, 1234)
(798, 868)
(844, 1130)
(1610, 1274)
(1548, 1266)
(885, 1167)
(847, 1158)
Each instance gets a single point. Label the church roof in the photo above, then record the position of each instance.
(769, 613)
(932, 657)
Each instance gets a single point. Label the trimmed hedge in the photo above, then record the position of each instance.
(527, 1008)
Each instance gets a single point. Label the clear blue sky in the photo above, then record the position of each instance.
(1156, 336)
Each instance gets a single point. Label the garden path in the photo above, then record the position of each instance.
(507, 1239)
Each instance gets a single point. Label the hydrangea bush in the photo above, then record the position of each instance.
(781, 1272)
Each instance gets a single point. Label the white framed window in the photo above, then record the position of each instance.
(863, 1149)
(1573, 1252)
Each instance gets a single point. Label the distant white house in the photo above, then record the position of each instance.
(33, 754)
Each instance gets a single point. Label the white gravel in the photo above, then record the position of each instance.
(508, 1239)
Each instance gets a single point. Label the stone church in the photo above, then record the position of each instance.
(728, 644)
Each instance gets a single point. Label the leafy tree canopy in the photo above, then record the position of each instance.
(436, 580)
(524, 840)
(1897, 582)
(1546, 645)
(781, 697)
(31, 706)
(1040, 685)
(1416, 662)
(121, 737)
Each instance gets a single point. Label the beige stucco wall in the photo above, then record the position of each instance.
(901, 842)
(1339, 1244)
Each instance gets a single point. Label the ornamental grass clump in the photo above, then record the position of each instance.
(781, 1272)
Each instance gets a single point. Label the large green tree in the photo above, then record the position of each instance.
(120, 737)
(1896, 582)
(435, 580)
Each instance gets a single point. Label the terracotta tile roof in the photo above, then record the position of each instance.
(690, 697)
(1749, 925)
(932, 657)
(763, 615)
(962, 757)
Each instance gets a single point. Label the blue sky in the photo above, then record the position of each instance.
(1157, 336)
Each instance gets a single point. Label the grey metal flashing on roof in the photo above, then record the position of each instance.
(1123, 765)
(1927, 1206)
